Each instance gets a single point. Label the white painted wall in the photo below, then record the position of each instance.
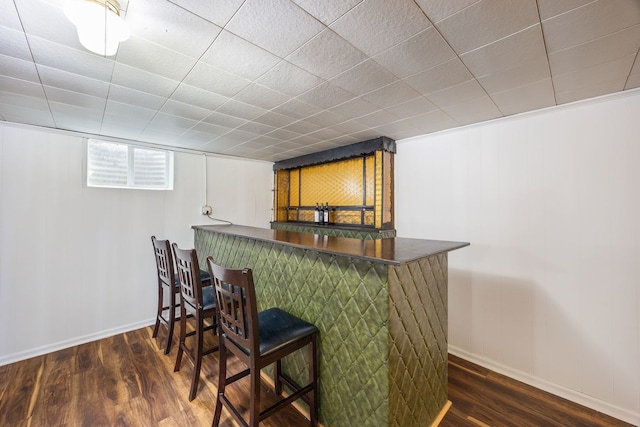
(548, 291)
(76, 263)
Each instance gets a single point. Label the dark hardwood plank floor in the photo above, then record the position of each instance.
(126, 380)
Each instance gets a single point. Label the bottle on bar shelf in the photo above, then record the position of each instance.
(325, 213)
(316, 215)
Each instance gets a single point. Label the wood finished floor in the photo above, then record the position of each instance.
(126, 380)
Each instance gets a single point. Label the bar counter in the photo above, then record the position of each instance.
(380, 306)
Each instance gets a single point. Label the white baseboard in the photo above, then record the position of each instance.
(50, 348)
(623, 414)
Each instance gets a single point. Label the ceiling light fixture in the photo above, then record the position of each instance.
(99, 24)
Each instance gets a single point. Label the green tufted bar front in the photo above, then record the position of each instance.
(383, 324)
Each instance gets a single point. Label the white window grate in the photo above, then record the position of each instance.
(114, 165)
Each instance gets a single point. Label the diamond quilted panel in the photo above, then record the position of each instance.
(418, 341)
(345, 298)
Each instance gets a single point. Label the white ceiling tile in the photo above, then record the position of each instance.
(439, 10)
(363, 78)
(549, 8)
(76, 118)
(142, 54)
(375, 25)
(301, 127)
(450, 73)
(257, 128)
(240, 109)
(74, 98)
(325, 119)
(303, 141)
(21, 87)
(283, 134)
(28, 115)
(393, 94)
(237, 136)
(326, 96)
(585, 92)
(9, 16)
(72, 60)
(195, 138)
(218, 12)
(524, 73)
(215, 80)
(414, 107)
(349, 127)
(611, 75)
(525, 98)
(170, 26)
(476, 110)
(278, 26)
(18, 68)
(396, 130)
(486, 21)
(463, 92)
(131, 113)
(421, 52)
(433, 121)
(210, 129)
(170, 124)
(378, 118)
(326, 55)
(48, 21)
(589, 22)
(261, 96)
(184, 110)
(356, 107)
(238, 56)
(124, 75)
(14, 43)
(118, 126)
(633, 80)
(324, 134)
(506, 53)
(297, 109)
(225, 120)
(273, 119)
(35, 102)
(198, 97)
(327, 11)
(70, 81)
(135, 97)
(604, 49)
(289, 79)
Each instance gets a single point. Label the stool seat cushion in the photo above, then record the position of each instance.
(208, 298)
(278, 328)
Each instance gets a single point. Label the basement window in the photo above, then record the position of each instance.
(115, 165)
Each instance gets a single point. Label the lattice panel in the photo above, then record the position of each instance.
(418, 340)
(346, 299)
(338, 183)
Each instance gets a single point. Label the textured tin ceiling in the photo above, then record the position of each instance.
(276, 79)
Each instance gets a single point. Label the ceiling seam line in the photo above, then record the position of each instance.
(546, 50)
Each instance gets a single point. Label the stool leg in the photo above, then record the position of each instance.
(254, 402)
(277, 379)
(197, 362)
(183, 332)
(313, 377)
(159, 311)
(172, 321)
(222, 381)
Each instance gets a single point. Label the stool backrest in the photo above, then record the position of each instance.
(188, 272)
(236, 301)
(164, 261)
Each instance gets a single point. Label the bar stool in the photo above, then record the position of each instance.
(167, 282)
(198, 302)
(258, 340)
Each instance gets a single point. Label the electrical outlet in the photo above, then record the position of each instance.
(206, 210)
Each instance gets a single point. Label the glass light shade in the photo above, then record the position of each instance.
(100, 28)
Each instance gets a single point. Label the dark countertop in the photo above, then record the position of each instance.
(393, 251)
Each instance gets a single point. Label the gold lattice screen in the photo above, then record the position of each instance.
(355, 189)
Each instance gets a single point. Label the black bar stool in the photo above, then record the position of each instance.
(198, 302)
(258, 340)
